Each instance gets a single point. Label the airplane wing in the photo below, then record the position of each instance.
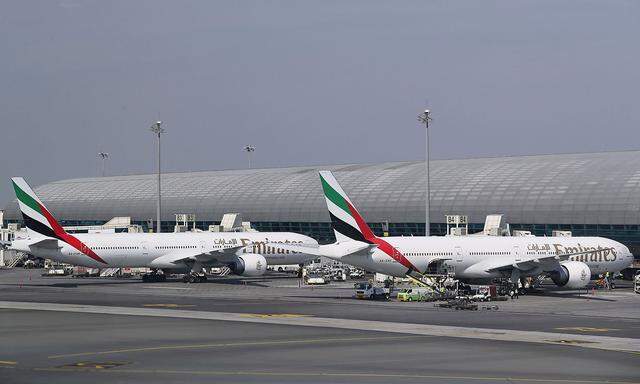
(227, 251)
(498, 264)
(172, 259)
(335, 250)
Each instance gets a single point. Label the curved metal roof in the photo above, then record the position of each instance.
(602, 188)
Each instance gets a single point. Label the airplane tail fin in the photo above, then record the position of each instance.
(346, 221)
(37, 219)
(40, 222)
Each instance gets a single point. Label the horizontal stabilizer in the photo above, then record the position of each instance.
(45, 243)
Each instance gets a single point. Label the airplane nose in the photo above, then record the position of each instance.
(623, 250)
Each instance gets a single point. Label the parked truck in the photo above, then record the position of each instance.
(371, 292)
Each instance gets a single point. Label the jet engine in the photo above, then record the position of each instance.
(572, 274)
(249, 264)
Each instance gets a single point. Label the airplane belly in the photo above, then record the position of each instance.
(131, 260)
(81, 260)
(377, 263)
(60, 257)
(297, 258)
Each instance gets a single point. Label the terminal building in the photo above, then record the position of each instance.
(589, 194)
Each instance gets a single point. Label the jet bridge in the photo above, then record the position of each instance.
(232, 222)
(495, 225)
(116, 224)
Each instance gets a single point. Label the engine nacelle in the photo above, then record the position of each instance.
(249, 264)
(572, 274)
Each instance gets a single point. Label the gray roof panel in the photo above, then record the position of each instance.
(586, 188)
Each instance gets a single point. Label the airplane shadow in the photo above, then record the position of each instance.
(238, 282)
(68, 284)
(75, 282)
(581, 295)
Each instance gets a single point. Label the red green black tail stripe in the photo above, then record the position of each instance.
(69, 239)
(363, 232)
(51, 228)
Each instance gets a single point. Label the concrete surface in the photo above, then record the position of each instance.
(41, 346)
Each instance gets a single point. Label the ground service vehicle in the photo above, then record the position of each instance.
(371, 292)
(415, 294)
(459, 304)
(356, 273)
(316, 279)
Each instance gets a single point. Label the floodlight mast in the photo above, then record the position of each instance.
(104, 156)
(249, 149)
(157, 129)
(425, 118)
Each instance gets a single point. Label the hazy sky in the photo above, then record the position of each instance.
(309, 82)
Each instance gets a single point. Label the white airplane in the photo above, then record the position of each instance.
(569, 261)
(245, 253)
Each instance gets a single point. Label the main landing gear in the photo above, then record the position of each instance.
(194, 277)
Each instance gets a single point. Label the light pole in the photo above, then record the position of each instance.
(425, 118)
(249, 149)
(157, 129)
(104, 156)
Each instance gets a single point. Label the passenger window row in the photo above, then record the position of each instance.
(176, 246)
(430, 254)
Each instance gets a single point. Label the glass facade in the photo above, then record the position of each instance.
(589, 194)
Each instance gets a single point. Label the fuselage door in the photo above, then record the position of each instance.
(458, 254)
(516, 253)
(203, 246)
(145, 248)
